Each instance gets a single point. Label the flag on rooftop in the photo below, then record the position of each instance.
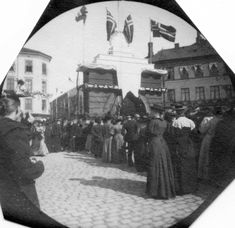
(168, 32)
(128, 30)
(82, 14)
(111, 25)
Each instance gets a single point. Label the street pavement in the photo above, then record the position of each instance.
(79, 190)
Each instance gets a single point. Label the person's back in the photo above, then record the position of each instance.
(15, 151)
(222, 150)
(131, 128)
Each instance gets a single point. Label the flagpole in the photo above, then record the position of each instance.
(150, 44)
(118, 16)
(83, 61)
(83, 43)
(150, 30)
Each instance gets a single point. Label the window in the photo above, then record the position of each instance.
(29, 85)
(198, 71)
(44, 87)
(185, 94)
(10, 84)
(214, 92)
(12, 68)
(28, 104)
(183, 73)
(228, 91)
(200, 93)
(44, 105)
(44, 68)
(213, 69)
(171, 95)
(171, 75)
(28, 66)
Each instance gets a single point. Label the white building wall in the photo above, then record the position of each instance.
(37, 77)
(129, 70)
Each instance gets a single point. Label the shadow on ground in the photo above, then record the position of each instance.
(126, 186)
(89, 159)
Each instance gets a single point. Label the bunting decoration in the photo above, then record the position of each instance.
(128, 30)
(111, 25)
(82, 15)
(160, 30)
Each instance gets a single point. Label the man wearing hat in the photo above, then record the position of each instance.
(130, 129)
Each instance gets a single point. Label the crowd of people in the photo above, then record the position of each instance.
(177, 148)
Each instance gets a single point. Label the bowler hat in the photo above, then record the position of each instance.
(180, 107)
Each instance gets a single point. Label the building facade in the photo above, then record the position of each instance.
(196, 75)
(32, 68)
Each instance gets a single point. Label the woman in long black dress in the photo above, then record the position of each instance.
(186, 165)
(160, 178)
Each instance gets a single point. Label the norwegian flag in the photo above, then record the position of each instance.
(128, 30)
(166, 31)
(110, 25)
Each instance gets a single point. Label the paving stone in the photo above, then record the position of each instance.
(77, 187)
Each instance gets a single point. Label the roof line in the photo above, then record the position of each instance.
(34, 52)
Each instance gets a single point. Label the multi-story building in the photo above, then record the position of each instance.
(32, 67)
(196, 74)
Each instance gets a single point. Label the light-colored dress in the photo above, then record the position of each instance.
(118, 154)
(42, 150)
(207, 128)
(107, 145)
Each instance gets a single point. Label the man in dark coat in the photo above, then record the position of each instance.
(56, 133)
(15, 154)
(130, 131)
(15, 160)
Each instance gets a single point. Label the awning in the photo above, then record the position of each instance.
(96, 67)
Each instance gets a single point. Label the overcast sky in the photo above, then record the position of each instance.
(63, 38)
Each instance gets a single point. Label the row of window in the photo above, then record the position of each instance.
(215, 93)
(28, 85)
(29, 67)
(196, 69)
(29, 104)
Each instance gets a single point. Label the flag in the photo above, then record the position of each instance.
(160, 30)
(110, 25)
(128, 30)
(81, 15)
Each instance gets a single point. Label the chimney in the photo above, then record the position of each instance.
(177, 45)
(150, 51)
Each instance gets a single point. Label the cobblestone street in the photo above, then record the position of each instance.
(78, 190)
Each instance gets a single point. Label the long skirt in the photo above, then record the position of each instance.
(160, 178)
(186, 166)
(97, 148)
(88, 142)
(117, 149)
(107, 150)
(42, 150)
(140, 155)
(203, 163)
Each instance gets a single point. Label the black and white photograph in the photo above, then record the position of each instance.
(115, 114)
